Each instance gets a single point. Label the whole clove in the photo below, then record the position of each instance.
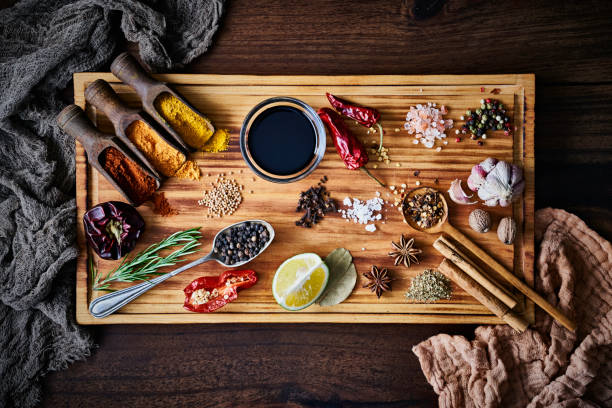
(316, 202)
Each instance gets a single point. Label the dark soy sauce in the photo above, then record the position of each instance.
(282, 140)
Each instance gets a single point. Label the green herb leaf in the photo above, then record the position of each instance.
(145, 264)
(342, 277)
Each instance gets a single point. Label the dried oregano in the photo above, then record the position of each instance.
(429, 286)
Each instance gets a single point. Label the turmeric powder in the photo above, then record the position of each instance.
(218, 142)
(164, 157)
(193, 128)
(189, 170)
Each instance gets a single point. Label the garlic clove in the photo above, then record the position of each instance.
(491, 202)
(503, 202)
(517, 189)
(476, 178)
(491, 188)
(517, 175)
(488, 164)
(502, 171)
(457, 194)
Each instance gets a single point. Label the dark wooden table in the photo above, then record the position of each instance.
(567, 44)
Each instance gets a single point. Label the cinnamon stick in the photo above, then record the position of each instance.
(450, 251)
(475, 289)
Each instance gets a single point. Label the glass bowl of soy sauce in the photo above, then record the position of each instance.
(282, 139)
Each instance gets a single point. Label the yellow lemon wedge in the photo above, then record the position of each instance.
(299, 281)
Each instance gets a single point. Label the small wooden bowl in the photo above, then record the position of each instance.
(424, 190)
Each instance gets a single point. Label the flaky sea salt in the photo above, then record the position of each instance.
(363, 212)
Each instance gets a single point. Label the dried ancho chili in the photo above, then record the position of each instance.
(209, 293)
(112, 228)
(348, 147)
(367, 117)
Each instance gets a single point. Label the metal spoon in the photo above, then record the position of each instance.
(109, 304)
(444, 226)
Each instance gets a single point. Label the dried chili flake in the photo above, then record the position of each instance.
(426, 209)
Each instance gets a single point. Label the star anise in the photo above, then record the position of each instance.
(379, 280)
(405, 252)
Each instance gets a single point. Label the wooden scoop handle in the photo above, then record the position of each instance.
(126, 68)
(73, 120)
(101, 95)
(510, 277)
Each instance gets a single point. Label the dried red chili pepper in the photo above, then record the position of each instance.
(367, 117)
(348, 147)
(209, 293)
(112, 228)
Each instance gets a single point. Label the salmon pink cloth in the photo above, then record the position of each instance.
(546, 365)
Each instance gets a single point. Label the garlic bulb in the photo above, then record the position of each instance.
(497, 182)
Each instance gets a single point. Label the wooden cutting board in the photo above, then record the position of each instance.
(226, 99)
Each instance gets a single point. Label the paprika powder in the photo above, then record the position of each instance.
(137, 184)
(161, 205)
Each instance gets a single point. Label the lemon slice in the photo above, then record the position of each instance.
(299, 281)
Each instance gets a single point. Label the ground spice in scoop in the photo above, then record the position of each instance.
(166, 159)
(137, 184)
(162, 206)
(193, 128)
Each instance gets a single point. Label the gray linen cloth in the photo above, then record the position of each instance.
(42, 43)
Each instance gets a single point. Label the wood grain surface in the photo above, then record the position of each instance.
(566, 44)
(227, 99)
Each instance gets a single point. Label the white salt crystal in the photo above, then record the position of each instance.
(370, 227)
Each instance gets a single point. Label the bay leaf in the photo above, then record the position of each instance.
(342, 277)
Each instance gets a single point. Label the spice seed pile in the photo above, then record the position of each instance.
(241, 243)
(223, 199)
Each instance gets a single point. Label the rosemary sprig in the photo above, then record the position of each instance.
(145, 264)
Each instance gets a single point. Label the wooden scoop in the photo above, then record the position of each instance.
(100, 94)
(75, 122)
(444, 226)
(127, 69)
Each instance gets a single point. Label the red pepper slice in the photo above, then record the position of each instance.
(209, 293)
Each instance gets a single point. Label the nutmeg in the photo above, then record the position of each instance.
(506, 230)
(480, 220)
